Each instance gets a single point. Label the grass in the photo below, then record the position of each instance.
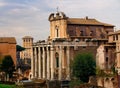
(7, 86)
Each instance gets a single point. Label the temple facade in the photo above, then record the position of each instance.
(51, 59)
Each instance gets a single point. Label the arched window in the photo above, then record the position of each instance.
(57, 62)
(113, 37)
(57, 31)
(57, 59)
(81, 33)
(91, 33)
(107, 59)
(116, 37)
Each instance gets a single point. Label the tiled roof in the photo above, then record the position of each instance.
(86, 21)
(8, 40)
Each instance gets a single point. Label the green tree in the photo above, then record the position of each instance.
(83, 66)
(19, 48)
(8, 66)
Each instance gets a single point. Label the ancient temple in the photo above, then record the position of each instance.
(51, 59)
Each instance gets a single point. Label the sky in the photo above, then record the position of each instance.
(19, 18)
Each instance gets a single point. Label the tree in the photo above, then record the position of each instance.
(8, 66)
(19, 48)
(83, 66)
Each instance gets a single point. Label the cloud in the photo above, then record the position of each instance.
(30, 17)
(2, 4)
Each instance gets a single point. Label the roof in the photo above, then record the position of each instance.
(11, 40)
(87, 21)
(27, 37)
(114, 33)
(117, 32)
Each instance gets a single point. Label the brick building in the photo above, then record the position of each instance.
(8, 47)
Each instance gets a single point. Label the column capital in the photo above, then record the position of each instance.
(61, 47)
(52, 48)
(47, 48)
(68, 47)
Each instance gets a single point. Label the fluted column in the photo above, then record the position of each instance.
(52, 62)
(35, 62)
(60, 62)
(39, 61)
(43, 62)
(32, 63)
(68, 62)
(48, 63)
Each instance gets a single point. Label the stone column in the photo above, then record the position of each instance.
(60, 63)
(39, 61)
(48, 63)
(43, 62)
(68, 62)
(35, 61)
(63, 59)
(32, 63)
(52, 63)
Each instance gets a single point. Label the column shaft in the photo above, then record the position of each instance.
(52, 63)
(32, 63)
(60, 63)
(48, 63)
(35, 62)
(68, 63)
(63, 62)
(39, 56)
(43, 62)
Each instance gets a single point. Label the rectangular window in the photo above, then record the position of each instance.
(113, 37)
(116, 37)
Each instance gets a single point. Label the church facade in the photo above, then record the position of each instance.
(51, 59)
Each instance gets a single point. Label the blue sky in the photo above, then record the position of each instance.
(19, 18)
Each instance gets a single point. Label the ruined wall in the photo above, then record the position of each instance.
(107, 82)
